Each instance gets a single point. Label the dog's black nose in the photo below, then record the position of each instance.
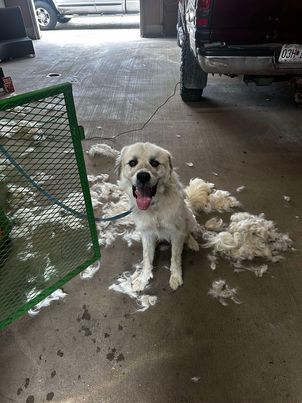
(143, 177)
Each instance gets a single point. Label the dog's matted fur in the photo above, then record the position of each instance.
(161, 208)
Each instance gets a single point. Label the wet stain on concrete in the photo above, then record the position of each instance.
(94, 341)
(19, 391)
(86, 315)
(26, 383)
(53, 374)
(86, 331)
(120, 327)
(98, 349)
(106, 335)
(60, 353)
(120, 357)
(127, 315)
(30, 399)
(110, 356)
(49, 396)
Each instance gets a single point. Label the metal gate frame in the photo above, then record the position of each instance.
(77, 134)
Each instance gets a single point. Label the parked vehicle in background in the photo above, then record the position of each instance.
(50, 12)
(258, 39)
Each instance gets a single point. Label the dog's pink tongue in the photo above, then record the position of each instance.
(143, 198)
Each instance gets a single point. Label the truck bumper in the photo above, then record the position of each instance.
(252, 65)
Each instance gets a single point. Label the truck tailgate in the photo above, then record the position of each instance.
(256, 21)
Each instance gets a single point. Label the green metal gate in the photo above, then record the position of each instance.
(47, 228)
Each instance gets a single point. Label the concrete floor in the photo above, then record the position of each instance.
(94, 347)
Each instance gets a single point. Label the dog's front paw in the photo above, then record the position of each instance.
(175, 281)
(140, 283)
(192, 244)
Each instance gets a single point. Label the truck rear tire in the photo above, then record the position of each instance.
(193, 79)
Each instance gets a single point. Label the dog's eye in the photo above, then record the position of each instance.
(132, 163)
(154, 163)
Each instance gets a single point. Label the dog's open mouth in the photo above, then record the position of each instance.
(143, 196)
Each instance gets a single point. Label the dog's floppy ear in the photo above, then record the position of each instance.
(118, 162)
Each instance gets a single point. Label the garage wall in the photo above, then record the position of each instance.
(170, 17)
(151, 16)
(158, 17)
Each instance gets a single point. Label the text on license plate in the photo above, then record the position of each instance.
(291, 54)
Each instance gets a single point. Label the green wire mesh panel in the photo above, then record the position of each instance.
(42, 245)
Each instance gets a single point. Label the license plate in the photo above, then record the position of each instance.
(291, 54)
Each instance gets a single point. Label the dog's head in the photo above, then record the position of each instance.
(144, 170)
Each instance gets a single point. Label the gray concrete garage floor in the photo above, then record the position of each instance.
(94, 346)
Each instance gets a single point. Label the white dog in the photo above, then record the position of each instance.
(161, 208)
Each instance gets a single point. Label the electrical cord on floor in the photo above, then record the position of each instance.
(143, 126)
(124, 132)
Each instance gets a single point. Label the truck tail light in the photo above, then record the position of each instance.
(203, 10)
(202, 22)
(204, 5)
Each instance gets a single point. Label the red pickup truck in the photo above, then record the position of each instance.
(260, 40)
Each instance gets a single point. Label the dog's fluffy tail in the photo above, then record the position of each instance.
(197, 193)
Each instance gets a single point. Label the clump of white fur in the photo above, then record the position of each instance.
(55, 296)
(124, 285)
(222, 291)
(214, 224)
(91, 270)
(248, 237)
(102, 149)
(198, 193)
(257, 270)
(203, 197)
(29, 219)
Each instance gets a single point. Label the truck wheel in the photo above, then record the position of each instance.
(46, 15)
(192, 78)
